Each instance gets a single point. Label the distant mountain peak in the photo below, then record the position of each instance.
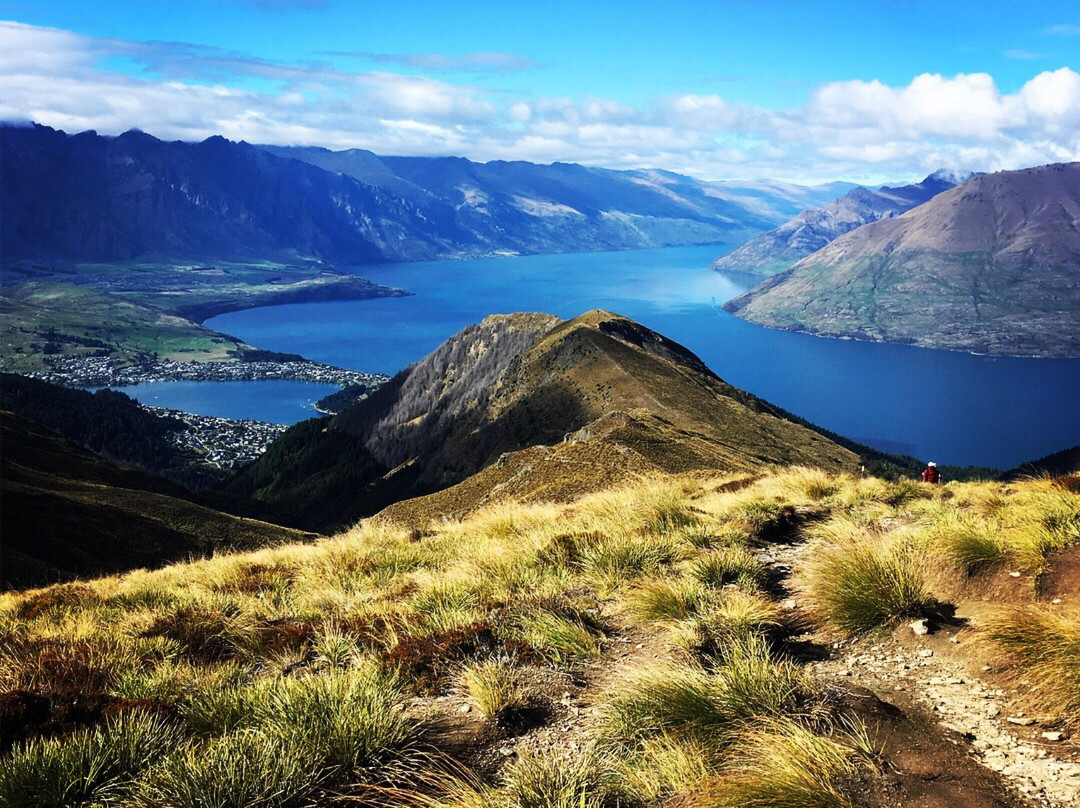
(777, 250)
(991, 266)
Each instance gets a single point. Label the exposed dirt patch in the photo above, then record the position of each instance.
(26, 714)
(1062, 581)
(951, 729)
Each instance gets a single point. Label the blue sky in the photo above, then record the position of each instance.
(803, 91)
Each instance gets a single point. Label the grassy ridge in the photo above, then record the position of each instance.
(305, 674)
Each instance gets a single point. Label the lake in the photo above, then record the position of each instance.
(936, 405)
(278, 401)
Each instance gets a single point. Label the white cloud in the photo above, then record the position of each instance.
(864, 130)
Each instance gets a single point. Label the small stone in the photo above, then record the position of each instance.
(790, 604)
(954, 640)
(640, 645)
(936, 681)
(1056, 601)
(925, 653)
(986, 669)
(1053, 736)
(920, 627)
(954, 681)
(1014, 574)
(1020, 722)
(465, 708)
(843, 673)
(506, 751)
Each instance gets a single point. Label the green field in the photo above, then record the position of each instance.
(134, 311)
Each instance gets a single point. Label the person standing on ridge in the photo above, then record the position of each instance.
(930, 474)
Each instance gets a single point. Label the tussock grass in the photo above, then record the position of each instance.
(866, 581)
(663, 767)
(970, 542)
(284, 672)
(247, 768)
(348, 720)
(733, 619)
(781, 764)
(560, 637)
(95, 766)
(1044, 646)
(706, 706)
(493, 686)
(729, 565)
(550, 780)
(665, 600)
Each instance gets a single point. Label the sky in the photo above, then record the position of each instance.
(805, 92)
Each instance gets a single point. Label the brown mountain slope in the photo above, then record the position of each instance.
(595, 400)
(991, 266)
(66, 513)
(599, 396)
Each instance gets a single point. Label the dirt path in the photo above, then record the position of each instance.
(931, 677)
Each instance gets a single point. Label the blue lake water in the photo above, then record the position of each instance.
(937, 405)
(278, 401)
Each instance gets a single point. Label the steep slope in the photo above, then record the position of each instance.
(991, 266)
(604, 396)
(68, 513)
(91, 198)
(107, 423)
(86, 197)
(812, 229)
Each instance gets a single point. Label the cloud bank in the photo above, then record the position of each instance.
(862, 130)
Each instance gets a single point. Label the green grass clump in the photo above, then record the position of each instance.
(560, 637)
(621, 557)
(96, 766)
(346, 720)
(866, 582)
(662, 767)
(221, 703)
(493, 686)
(692, 703)
(970, 542)
(553, 780)
(1045, 647)
(664, 600)
(783, 765)
(731, 620)
(247, 769)
(730, 565)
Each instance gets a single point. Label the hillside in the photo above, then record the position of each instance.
(790, 639)
(602, 395)
(991, 266)
(88, 198)
(69, 513)
(812, 229)
(107, 423)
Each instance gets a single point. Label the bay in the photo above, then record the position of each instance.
(937, 405)
(277, 401)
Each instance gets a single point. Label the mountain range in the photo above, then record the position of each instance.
(990, 266)
(776, 250)
(87, 197)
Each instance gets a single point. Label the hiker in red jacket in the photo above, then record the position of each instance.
(930, 475)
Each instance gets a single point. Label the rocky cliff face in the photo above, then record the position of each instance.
(776, 250)
(991, 266)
